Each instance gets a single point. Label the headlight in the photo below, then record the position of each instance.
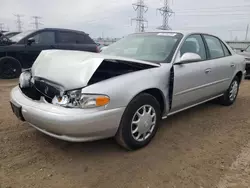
(24, 79)
(75, 99)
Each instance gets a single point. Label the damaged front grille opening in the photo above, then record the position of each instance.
(41, 89)
(112, 68)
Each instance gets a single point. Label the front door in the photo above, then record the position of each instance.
(43, 40)
(191, 79)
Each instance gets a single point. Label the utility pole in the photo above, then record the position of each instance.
(19, 22)
(166, 12)
(247, 31)
(36, 21)
(140, 8)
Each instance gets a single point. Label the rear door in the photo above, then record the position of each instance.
(222, 64)
(191, 79)
(69, 40)
(43, 40)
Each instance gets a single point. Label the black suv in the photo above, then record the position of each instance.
(20, 51)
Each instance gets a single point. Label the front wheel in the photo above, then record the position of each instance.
(139, 122)
(230, 95)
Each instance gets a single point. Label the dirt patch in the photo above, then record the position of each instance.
(195, 148)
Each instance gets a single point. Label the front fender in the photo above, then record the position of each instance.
(124, 88)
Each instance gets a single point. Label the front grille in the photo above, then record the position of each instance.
(46, 89)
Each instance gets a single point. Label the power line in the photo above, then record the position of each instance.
(166, 12)
(19, 22)
(216, 14)
(211, 9)
(141, 8)
(36, 22)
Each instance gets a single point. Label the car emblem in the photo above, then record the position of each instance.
(46, 89)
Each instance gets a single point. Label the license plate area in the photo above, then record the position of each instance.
(17, 110)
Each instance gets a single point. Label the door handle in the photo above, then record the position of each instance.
(232, 65)
(208, 70)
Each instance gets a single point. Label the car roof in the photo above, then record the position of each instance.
(184, 32)
(62, 29)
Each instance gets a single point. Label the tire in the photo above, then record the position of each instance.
(9, 68)
(229, 96)
(148, 124)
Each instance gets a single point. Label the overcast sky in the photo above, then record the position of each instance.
(226, 18)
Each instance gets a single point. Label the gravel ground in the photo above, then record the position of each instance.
(207, 146)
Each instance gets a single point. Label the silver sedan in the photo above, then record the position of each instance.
(126, 90)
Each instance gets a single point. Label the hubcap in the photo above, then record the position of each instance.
(233, 91)
(143, 123)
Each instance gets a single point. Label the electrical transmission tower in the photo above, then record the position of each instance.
(140, 8)
(19, 22)
(36, 21)
(166, 12)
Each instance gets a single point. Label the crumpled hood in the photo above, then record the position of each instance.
(72, 69)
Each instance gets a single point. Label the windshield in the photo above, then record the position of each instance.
(156, 47)
(20, 36)
(248, 49)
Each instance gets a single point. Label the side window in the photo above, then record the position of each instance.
(83, 39)
(80, 39)
(214, 47)
(194, 44)
(66, 37)
(225, 49)
(45, 37)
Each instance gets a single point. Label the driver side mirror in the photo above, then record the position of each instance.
(189, 58)
(30, 41)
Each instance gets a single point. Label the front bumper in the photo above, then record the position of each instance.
(75, 125)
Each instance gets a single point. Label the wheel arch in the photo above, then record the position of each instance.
(239, 74)
(158, 95)
(10, 57)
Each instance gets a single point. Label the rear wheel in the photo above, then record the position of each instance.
(231, 94)
(139, 122)
(9, 68)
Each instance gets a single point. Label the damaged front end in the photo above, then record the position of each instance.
(58, 85)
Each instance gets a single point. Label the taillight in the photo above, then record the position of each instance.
(97, 49)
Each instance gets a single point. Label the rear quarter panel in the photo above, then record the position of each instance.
(240, 63)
